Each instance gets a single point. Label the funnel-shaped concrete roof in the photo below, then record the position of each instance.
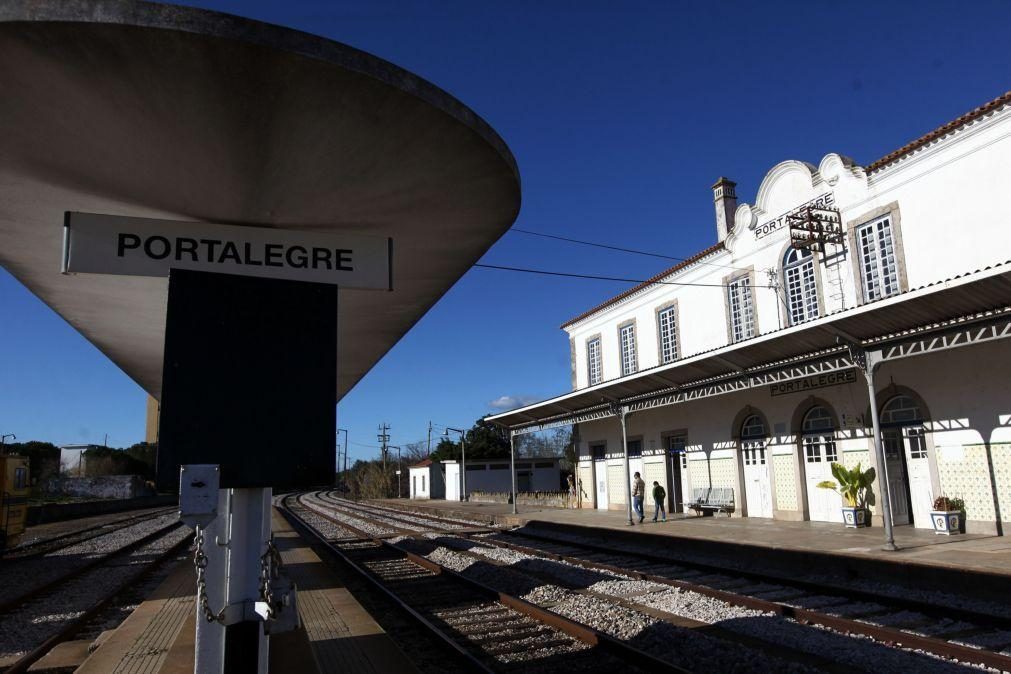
(148, 110)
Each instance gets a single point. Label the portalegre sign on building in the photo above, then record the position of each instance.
(110, 244)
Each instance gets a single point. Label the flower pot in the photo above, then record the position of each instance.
(948, 522)
(854, 518)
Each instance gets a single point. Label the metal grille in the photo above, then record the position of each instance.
(628, 362)
(742, 314)
(801, 290)
(593, 360)
(877, 259)
(668, 336)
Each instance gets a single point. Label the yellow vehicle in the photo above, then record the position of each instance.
(14, 488)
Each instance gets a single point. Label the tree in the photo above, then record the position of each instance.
(484, 441)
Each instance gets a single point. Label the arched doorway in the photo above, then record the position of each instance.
(818, 451)
(756, 480)
(907, 462)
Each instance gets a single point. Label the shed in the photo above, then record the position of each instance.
(426, 480)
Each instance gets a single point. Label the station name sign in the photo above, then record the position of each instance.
(826, 200)
(817, 381)
(111, 244)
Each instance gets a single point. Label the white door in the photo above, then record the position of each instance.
(757, 485)
(918, 467)
(600, 478)
(823, 505)
(892, 444)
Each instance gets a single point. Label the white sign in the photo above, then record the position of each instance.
(110, 244)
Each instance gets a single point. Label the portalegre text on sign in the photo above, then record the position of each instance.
(110, 244)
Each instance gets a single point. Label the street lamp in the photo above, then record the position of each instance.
(400, 468)
(344, 473)
(3, 438)
(463, 459)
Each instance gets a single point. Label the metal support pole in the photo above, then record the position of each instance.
(869, 361)
(463, 464)
(628, 476)
(512, 464)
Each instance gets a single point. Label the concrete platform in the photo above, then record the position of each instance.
(923, 555)
(337, 634)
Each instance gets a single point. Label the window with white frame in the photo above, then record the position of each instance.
(593, 360)
(801, 289)
(878, 268)
(628, 361)
(742, 312)
(668, 335)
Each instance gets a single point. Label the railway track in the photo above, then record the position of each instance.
(809, 618)
(51, 612)
(491, 631)
(45, 546)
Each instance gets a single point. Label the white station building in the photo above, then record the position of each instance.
(442, 479)
(755, 379)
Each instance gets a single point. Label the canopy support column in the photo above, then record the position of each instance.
(869, 362)
(512, 464)
(621, 412)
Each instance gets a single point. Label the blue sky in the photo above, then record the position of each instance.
(621, 116)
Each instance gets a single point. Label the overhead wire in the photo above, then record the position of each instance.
(607, 278)
(634, 251)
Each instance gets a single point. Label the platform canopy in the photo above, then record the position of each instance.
(971, 308)
(146, 110)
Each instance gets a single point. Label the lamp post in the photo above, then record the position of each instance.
(399, 468)
(344, 473)
(3, 438)
(463, 459)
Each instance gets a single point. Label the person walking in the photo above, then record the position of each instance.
(659, 494)
(572, 491)
(638, 492)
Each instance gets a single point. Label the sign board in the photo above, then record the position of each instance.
(817, 381)
(826, 200)
(110, 244)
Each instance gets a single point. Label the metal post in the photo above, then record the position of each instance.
(463, 463)
(628, 476)
(512, 464)
(869, 361)
(400, 470)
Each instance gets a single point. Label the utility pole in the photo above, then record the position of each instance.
(384, 438)
(429, 438)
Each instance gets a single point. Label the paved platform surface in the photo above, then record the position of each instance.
(337, 634)
(987, 554)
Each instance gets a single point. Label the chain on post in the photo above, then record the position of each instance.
(270, 568)
(200, 562)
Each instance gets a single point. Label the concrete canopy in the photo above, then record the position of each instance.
(149, 110)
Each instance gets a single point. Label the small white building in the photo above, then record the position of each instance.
(492, 475)
(426, 480)
(72, 460)
(844, 297)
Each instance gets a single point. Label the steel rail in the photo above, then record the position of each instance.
(305, 528)
(590, 636)
(15, 553)
(887, 635)
(387, 512)
(26, 661)
(412, 511)
(87, 566)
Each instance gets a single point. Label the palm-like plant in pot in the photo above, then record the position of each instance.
(852, 484)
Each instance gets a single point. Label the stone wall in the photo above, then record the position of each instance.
(104, 486)
(545, 499)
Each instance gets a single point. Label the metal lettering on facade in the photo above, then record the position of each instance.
(826, 200)
(817, 381)
(108, 244)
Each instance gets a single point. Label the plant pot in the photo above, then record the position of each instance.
(948, 522)
(854, 518)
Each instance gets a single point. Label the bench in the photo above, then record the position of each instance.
(709, 500)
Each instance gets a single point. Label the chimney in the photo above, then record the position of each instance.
(725, 199)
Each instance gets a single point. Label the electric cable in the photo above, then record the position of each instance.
(608, 278)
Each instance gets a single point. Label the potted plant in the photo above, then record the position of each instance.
(852, 485)
(948, 516)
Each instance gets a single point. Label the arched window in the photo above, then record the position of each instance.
(753, 437)
(818, 431)
(901, 416)
(801, 290)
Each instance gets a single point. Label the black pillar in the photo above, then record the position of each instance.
(249, 380)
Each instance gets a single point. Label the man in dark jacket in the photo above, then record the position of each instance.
(659, 494)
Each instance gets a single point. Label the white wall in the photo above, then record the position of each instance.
(949, 221)
(434, 486)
